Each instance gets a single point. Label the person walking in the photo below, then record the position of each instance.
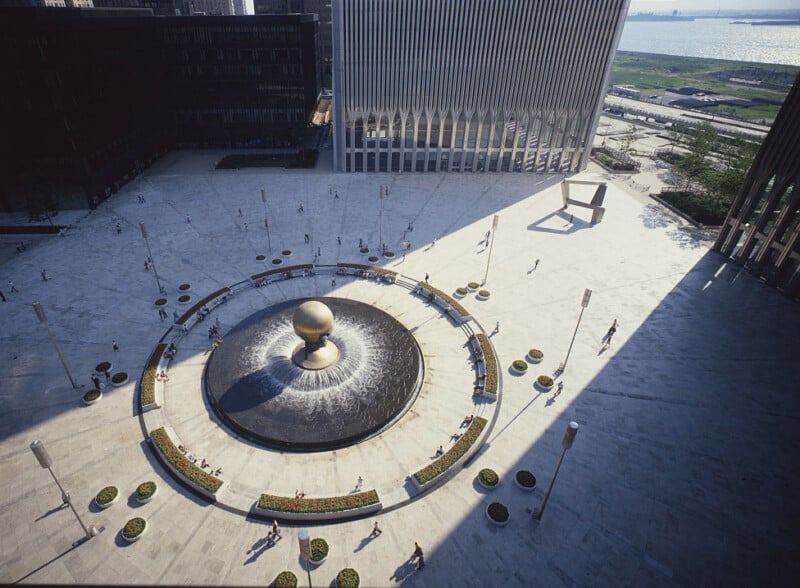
(12, 286)
(188, 219)
(611, 330)
(175, 316)
(3, 296)
(376, 530)
(359, 483)
(536, 264)
(559, 389)
(276, 532)
(488, 234)
(114, 345)
(44, 276)
(240, 213)
(496, 328)
(96, 381)
(417, 551)
(427, 277)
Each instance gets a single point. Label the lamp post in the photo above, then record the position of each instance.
(305, 551)
(491, 246)
(150, 257)
(266, 222)
(566, 443)
(46, 462)
(43, 319)
(587, 295)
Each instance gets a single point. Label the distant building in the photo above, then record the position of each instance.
(97, 98)
(479, 85)
(762, 230)
(208, 7)
(46, 3)
(628, 91)
(239, 7)
(322, 8)
(159, 7)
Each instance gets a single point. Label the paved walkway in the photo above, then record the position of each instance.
(682, 472)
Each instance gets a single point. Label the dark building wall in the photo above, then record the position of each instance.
(762, 230)
(90, 101)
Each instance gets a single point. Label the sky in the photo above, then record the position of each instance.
(670, 5)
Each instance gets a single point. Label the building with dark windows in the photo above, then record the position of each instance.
(762, 230)
(479, 85)
(96, 98)
(322, 8)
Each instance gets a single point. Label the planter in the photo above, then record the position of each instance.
(103, 367)
(387, 255)
(107, 496)
(319, 551)
(260, 257)
(184, 288)
(92, 396)
(498, 514)
(473, 286)
(372, 258)
(134, 529)
(534, 356)
(519, 367)
(286, 252)
(460, 292)
(483, 295)
(277, 261)
(525, 480)
(488, 479)
(145, 492)
(119, 379)
(364, 251)
(545, 383)
(348, 578)
(160, 302)
(184, 299)
(285, 579)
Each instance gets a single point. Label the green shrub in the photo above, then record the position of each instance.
(484, 293)
(327, 504)
(106, 495)
(277, 261)
(462, 291)
(498, 512)
(473, 285)
(119, 377)
(161, 301)
(285, 579)
(286, 252)
(372, 258)
(525, 478)
(348, 578)
(148, 393)
(184, 298)
(145, 490)
(260, 257)
(488, 477)
(490, 385)
(102, 367)
(134, 527)
(519, 365)
(535, 353)
(91, 395)
(545, 381)
(364, 250)
(184, 287)
(319, 549)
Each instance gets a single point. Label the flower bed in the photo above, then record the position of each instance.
(490, 385)
(319, 550)
(191, 312)
(268, 273)
(181, 463)
(519, 367)
(92, 396)
(525, 480)
(369, 268)
(452, 455)
(344, 503)
(456, 306)
(545, 382)
(147, 395)
(107, 496)
(497, 513)
(285, 579)
(145, 491)
(119, 378)
(348, 578)
(134, 529)
(102, 367)
(488, 478)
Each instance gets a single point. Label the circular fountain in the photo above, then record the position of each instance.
(330, 388)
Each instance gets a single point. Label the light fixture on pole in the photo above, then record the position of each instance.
(491, 245)
(150, 257)
(266, 222)
(43, 319)
(587, 295)
(566, 443)
(305, 551)
(47, 463)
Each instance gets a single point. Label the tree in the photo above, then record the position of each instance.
(628, 139)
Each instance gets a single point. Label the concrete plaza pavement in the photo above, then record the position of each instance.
(683, 471)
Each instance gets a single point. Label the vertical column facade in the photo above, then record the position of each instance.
(762, 230)
(470, 85)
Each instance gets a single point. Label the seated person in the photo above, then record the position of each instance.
(439, 452)
(467, 420)
(181, 448)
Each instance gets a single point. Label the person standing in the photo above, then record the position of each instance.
(44, 276)
(496, 328)
(427, 277)
(536, 264)
(114, 345)
(376, 530)
(12, 286)
(276, 532)
(96, 381)
(3, 296)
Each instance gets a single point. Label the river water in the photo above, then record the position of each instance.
(715, 38)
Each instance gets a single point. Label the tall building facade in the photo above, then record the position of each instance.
(762, 230)
(470, 85)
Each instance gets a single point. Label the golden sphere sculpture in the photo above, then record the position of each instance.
(311, 321)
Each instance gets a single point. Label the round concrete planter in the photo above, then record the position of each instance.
(517, 371)
(97, 397)
(105, 505)
(159, 302)
(486, 485)
(286, 253)
(461, 294)
(483, 295)
(473, 286)
(149, 498)
(544, 388)
(184, 288)
(493, 521)
(136, 537)
(533, 359)
(184, 299)
(122, 382)
(388, 254)
(521, 486)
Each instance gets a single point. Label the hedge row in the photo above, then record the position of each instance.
(453, 454)
(314, 505)
(490, 385)
(456, 306)
(148, 394)
(369, 268)
(281, 270)
(189, 313)
(182, 463)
